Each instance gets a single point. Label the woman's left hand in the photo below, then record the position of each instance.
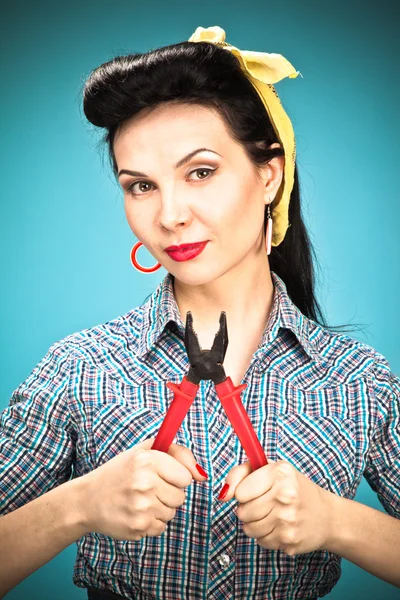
(280, 507)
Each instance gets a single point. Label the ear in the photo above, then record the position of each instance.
(272, 175)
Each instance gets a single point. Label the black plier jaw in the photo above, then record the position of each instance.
(206, 364)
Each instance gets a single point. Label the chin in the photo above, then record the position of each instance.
(195, 276)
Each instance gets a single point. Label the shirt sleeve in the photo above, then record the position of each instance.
(382, 470)
(36, 433)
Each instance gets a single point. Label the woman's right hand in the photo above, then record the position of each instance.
(137, 492)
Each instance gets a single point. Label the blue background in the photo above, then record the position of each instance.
(65, 242)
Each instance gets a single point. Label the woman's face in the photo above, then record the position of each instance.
(215, 196)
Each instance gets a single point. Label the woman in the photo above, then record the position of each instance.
(205, 154)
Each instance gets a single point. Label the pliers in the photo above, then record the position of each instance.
(207, 364)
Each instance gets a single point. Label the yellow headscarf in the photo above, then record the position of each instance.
(263, 70)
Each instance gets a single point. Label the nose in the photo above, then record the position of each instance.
(173, 213)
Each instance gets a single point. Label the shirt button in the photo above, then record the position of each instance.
(224, 560)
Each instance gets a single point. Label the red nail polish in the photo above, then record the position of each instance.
(201, 471)
(223, 492)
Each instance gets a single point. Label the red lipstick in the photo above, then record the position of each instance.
(185, 251)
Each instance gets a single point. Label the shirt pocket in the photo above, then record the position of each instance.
(321, 447)
(119, 427)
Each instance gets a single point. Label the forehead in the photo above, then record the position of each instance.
(170, 128)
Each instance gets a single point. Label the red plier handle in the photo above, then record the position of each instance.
(207, 364)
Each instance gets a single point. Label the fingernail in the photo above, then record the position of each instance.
(223, 492)
(201, 471)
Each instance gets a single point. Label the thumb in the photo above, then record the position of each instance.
(181, 453)
(186, 458)
(235, 476)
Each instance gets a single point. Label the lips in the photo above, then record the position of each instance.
(183, 246)
(186, 251)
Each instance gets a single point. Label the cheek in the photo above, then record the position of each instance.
(129, 213)
(254, 205)
(228, 203)
(242, 204)
(137, 220)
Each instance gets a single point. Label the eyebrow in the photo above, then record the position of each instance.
(180, 163)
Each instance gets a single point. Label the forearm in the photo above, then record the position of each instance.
(366, 537)
(36, 532)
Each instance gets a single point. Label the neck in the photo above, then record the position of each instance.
(245, 293)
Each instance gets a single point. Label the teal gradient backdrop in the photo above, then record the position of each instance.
(65, 242)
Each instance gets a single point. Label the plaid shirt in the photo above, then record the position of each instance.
(325, 402)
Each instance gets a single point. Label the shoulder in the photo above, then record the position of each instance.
(345, 358)
(100, 344)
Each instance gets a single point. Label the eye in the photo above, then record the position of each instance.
(140, 182)
(201, 170)
(130, 188)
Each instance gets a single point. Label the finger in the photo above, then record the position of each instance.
(234, 477)
(256, 509)
(186, 457)
(170, 495)
(261, 529)
(186, 469)
(246, 484)
(165, 465)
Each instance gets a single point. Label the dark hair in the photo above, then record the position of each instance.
(205, 74)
